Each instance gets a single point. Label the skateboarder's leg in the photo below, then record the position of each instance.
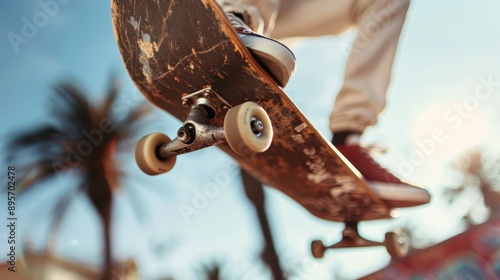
(259, 15)
(368, 69)
(299, 18)
(363, 94)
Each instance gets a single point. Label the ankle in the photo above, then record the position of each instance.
(238, 21)
(347, 137)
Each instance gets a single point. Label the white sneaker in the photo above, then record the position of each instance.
(273, 56)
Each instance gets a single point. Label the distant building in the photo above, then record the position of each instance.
(47, 267)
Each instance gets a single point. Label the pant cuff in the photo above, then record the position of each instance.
(347, 126)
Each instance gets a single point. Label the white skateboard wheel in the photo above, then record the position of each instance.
(248, 129)
(146, 157)
(396, 244)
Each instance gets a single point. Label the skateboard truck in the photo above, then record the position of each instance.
(247, 129)
(395, 242)
(196, 133)
(207, 98)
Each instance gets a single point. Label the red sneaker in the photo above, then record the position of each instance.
(387, 186)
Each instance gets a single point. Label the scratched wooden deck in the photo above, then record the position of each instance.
(171, 48)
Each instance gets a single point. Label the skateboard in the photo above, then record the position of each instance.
(186, 58)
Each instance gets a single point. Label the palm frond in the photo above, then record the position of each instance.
(112, 93)
(135, 120)
(72, 110)
(40, 171)
(46, 134)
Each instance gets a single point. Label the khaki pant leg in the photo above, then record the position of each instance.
(369, 66)
(259, 14)
(368, 70)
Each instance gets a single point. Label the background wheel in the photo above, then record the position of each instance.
(145, 154)
(317, 249)
(248, 129)
(396, 244)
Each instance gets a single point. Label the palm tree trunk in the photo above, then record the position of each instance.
(99, 192)
(255, 193)
(106, 225)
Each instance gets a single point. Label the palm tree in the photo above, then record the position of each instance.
(82, 141)
(481, 176)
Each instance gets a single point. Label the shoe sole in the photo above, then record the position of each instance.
(400, 195)
(275, 57)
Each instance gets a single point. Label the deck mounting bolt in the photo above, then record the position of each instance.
(207, 94)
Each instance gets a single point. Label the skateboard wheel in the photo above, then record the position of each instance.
(248, 129)
(396, 244)
(145, 154)
(317, 249)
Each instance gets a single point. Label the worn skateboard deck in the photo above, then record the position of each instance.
(176, 47)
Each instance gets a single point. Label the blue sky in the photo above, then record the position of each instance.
(447, 49)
